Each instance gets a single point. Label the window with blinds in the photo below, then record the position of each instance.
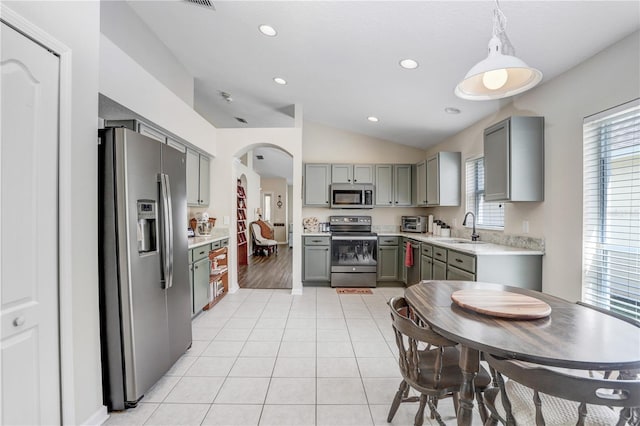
(611, 211)
(488, 215)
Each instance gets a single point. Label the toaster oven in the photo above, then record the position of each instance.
(414, 224)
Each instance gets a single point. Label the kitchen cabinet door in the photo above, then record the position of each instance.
(439, 270)
(317, 178)
(203, 180)
(384, 185)
(402, 184)
(201, 270)
(341, 173)
(421, 183)
(363, 173)
(443, 179)
(514, 160)
(456, 274)
(426, 268)
(317, 263)
(388, 263)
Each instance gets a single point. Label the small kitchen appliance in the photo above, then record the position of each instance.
(417, 224)
(351, 196)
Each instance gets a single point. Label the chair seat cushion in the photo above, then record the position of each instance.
(556, 411)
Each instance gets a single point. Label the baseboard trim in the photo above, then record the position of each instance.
(97, 418)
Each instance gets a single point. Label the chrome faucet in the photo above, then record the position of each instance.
(474, 236)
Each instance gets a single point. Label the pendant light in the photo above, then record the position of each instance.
(501, 74)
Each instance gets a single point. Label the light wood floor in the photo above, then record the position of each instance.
(268, 271)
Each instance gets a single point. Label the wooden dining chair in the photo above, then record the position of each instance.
(539, 395)
(428, 363)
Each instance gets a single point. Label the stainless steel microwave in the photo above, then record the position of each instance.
(351, 196)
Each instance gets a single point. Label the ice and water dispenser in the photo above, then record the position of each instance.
(147, 222)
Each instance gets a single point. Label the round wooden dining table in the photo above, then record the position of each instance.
(572, 336)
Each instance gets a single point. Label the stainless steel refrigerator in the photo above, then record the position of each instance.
(145, 296)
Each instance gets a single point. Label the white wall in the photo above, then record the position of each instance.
(233, 143)
(123, 26)
(324, 144)
(76, 24)
(125, 81)
(607, 79)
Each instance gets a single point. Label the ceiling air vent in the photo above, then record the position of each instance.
(240, 119)
(208, 4)
(260, 157)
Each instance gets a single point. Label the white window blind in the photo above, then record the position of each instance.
(488, 215)
(611, 211)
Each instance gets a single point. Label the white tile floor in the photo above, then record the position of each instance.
(264, 357)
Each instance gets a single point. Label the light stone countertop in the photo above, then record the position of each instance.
(479, 248)
(316, 234)
(202, 240)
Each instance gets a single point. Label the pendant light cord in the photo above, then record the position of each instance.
(500, 31)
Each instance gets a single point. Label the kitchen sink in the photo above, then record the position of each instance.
(464, 242)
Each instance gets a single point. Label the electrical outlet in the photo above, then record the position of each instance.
(525, 226)
(225, 220)
(455, 222)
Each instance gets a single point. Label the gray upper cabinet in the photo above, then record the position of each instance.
(351, 173)
(393, 184)
(443, 179)
(317, 178)
(384, 185)
(514, 160)
(421, 184)
(197, 179)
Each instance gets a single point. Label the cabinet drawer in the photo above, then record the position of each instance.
(200, 252)
(427, 250)
(316, 241)
(440, 254)
(224, 242)
(215, 245)
(388, 241)
(462, 261)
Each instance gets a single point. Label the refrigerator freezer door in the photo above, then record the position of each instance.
(179, 294)
(143, 309)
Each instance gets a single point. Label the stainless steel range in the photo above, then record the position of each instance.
(353, 251)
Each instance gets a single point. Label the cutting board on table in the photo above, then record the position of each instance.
(502, 304)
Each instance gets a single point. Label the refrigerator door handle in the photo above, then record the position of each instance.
(170, 235)
(167, 237)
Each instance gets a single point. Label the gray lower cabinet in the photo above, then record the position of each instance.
(388, 252)
(456, 274)
(199, 268)
(439, 270)
(426, 261)
(317, 259)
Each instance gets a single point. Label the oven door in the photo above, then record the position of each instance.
(354, 253)
(353, 260)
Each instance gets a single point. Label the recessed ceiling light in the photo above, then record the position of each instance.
(409, 64)
(373, 119)
(451, 110)
(280, 80)
(268, 30)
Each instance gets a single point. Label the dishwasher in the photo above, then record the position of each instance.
(412, 273)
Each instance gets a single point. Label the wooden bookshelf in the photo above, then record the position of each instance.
(218, 276)
(242, 225)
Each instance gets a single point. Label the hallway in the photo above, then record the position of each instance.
(268, 272)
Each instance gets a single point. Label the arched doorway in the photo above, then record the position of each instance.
(266, 175)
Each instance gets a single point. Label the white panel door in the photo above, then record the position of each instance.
(30, 384)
